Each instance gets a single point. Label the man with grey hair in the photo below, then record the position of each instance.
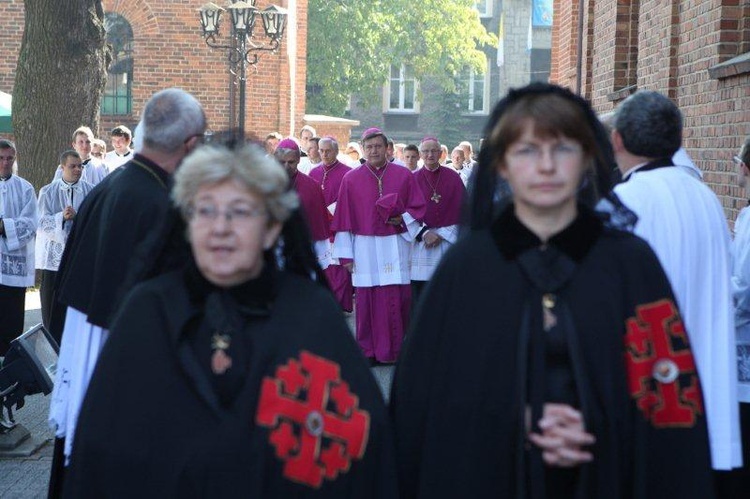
(126, 231)
(683, 221)
(329, 175)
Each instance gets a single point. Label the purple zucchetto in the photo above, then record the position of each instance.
(371, 132)
(289, 143)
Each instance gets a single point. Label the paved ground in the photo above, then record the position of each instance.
(28, 477)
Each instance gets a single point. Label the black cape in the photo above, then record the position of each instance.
(126, 231)
(465, 376)
(151, 424)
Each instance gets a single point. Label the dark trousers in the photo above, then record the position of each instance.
(416, 291)
(12, 302)
(735, 484)
(46, 294)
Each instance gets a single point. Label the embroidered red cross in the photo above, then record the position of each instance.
(317, 427)
(661, 368)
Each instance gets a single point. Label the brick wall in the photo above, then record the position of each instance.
(677, 43)
(169, 51)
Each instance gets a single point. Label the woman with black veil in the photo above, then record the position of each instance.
(236, 376)
(567, 372)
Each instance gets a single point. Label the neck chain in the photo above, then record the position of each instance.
(435, 196)
(379, 178)
(158, 179)
(326, 171)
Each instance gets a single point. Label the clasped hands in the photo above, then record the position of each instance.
(68, 213)
(563, 436)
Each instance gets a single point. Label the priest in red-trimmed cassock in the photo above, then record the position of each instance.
(379, 213)
(329, 175)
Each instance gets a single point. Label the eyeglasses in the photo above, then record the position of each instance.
(209, 213)
(7, 158)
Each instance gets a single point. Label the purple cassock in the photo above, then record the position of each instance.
(339, 279)
(382, 307)
(444, 192)
(313, 206)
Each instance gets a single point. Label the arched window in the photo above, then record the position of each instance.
(118, 93)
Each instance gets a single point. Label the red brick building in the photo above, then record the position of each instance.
(166, 49)
(695, 51)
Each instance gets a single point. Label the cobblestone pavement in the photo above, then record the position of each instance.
(28, 477)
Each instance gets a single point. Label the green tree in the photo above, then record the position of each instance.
(60, 77)
(351, 45)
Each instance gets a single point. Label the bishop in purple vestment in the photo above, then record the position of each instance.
(444, 192)
(378, 214)
(311, 199)
(329, 175)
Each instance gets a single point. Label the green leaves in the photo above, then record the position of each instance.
(352, 43)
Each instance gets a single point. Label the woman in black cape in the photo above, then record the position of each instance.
(567, 372)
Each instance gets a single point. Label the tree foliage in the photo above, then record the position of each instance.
(60, 78)
(352, 43)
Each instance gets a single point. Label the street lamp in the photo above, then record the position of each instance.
(245, 47)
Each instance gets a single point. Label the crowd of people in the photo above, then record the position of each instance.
(566, 310)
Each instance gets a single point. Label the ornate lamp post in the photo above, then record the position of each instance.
(245, 48)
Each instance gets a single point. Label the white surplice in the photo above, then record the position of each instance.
(82, 342)
(425, 260)
(113, 161)
(741, 288)
(52, 231)
(683, 221)
(94, 172)
(378, 260)
(18, 211)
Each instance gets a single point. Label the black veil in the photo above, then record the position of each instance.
(488, 193)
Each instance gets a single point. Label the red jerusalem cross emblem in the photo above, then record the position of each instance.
(316, 425)
(661, 368)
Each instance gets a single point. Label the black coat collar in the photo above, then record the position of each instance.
(513, 238)
(651, 165)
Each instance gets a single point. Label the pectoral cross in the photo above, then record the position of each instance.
(435, 197)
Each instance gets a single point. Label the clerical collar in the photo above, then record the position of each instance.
(124, 155)
(513, 238)
(648, 166)
(70, 184)
(332, 165)
(6, 178)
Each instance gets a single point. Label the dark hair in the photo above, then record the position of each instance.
(315, 139)
(70, 153)
(121, 131)
(373, 135)
(411, 147)
(650, 125)
(554, 111)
